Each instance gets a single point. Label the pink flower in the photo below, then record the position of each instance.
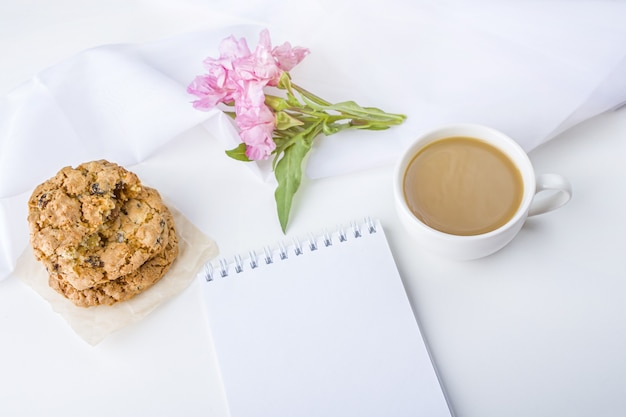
(248, 117)
(258, 140)
(288, 57)
(250, 94)
(259, 66)
(256, 125)
(210, 92)
(239, 76)
(232, 48)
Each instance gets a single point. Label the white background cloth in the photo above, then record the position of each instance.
(537, 329)
(531, 69)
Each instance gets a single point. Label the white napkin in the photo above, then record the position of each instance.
(531, 69)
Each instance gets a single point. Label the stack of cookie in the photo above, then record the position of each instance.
(102, 235)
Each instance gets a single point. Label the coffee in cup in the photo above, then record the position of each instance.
(465, 190)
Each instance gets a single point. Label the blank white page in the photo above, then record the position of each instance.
(326, 333)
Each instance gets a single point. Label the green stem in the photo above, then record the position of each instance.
(310, 95)
(304, 133)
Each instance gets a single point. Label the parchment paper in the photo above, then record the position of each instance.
(94, 324)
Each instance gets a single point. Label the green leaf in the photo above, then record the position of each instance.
(238, 153)
(286, 138)
(284, 121)
(288, 173)
(371, 114)
(283, 142)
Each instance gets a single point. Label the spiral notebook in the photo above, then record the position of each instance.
(320, 327)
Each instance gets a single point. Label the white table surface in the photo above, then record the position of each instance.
(538, 329)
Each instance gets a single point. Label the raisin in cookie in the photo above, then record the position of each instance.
(96, 223)
(126, 286)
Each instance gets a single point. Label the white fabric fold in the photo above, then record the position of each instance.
(531, 69)
(116, 102)
(119, 102)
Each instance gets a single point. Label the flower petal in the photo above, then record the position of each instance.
(258, 140)
(232, 48)
(288, 57)
(252, 116)
(209, 96)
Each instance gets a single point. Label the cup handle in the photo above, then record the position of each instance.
(550, 182)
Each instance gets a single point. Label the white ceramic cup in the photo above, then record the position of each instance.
(477, 246)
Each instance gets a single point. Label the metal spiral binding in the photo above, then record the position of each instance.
(312, 243)
(297, 246)
(223, 268)
(282, 251)
(208, 272)
(268, 255)
(327, 239)
(238, 264)
(253, 260)
(342, 235)
(356, 230)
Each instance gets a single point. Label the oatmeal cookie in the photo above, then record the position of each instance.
(95, 223)
(75, 202)
(126, 286)
(119, 246)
